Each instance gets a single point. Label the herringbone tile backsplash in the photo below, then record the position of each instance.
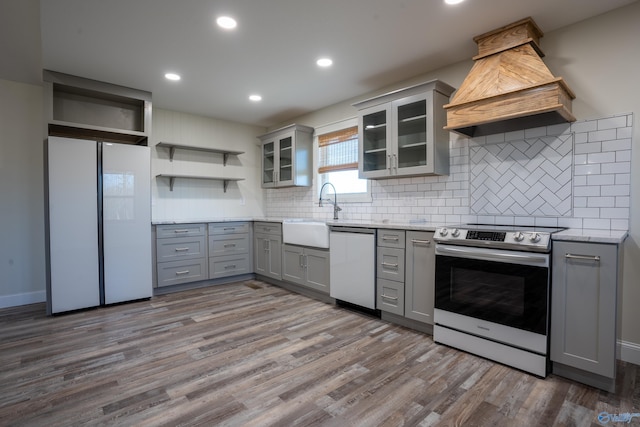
(525, 177)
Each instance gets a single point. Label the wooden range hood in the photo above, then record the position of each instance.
(509, 87)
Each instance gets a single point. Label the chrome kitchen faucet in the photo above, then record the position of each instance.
(336, 208)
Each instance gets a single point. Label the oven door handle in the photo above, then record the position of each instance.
(494, 255)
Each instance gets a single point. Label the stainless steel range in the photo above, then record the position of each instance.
(492, 293)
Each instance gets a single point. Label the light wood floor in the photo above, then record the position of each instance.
(252, 354)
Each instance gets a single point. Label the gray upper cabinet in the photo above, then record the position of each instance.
(419, 276)
(79, 107)
(584, 311)
(401, 133)
(287, 157)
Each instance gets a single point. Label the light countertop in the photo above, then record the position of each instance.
(572, 235)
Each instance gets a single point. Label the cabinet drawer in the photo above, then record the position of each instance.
(180, 230)
(224, 266)
(217, 228)
(273, 228)
(390, 296)
(228, 245)
(391, 238)
(183, 271)
(391, 264)
(180, 248)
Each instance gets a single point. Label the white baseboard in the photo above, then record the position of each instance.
(22, 299)
(629, 352)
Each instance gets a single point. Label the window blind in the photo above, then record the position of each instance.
(338, 150)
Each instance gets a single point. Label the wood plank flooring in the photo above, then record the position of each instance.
(253, 354)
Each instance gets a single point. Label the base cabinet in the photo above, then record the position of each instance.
(268, 249)
(181, 254)
(420, 263)
(406, 274)
(229, 249)
(584, 312)
(307, 267)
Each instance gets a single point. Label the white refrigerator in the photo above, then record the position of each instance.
(98, 223)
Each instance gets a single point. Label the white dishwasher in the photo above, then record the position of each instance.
(353, 265)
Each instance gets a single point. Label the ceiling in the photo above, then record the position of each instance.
(373, 43)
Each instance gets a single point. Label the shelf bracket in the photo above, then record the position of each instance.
(172, 151)
(225, 184)
(171, 181)
(225, 157)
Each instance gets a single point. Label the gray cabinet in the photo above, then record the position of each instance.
(268, 249)
(287, 157)
(401, 133)
(229, 249)
(305, 266)
(181, 254)
(584, 311)
(390, 271)
(78, 107)
(420, 260)
(406, 274)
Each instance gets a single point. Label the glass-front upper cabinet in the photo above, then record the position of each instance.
(401, 133)
(375, 137)
(287, 157)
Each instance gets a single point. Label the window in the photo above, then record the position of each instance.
(338, 161)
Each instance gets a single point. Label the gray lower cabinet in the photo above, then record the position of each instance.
(420, 263)
(268, 249)
(181, 254)
(584, 311)
(390, 271)
(406, 274)
(305, 266)
(229, 249)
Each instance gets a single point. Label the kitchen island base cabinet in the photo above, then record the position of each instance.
(584, 312)
(305, 266)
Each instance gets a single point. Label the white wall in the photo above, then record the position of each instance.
(22, 259)
(194, 199)
(598, 58)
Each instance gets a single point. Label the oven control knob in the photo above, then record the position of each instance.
(455, 232)
(444, 231)
(535, 237)
(518, 237)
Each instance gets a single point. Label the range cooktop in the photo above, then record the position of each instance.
(536, 239)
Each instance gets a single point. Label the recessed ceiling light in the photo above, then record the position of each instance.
(255, 98)
(172, 76)
(324, 62)
(453, 1)
(226, 22)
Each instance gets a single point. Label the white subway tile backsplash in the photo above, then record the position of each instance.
(572, 175)
(612, 122)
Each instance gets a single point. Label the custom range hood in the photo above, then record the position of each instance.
(509, 87)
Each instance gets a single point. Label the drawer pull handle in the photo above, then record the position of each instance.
(230, 245)
(229, 229)
(181, 249)
(388, 297)
(229, 266)
(388, 264)
(595, 258)
(392, 238)
(180, 273)
(421, 242)
(181, 231)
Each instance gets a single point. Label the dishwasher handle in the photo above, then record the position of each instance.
(358, 230)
